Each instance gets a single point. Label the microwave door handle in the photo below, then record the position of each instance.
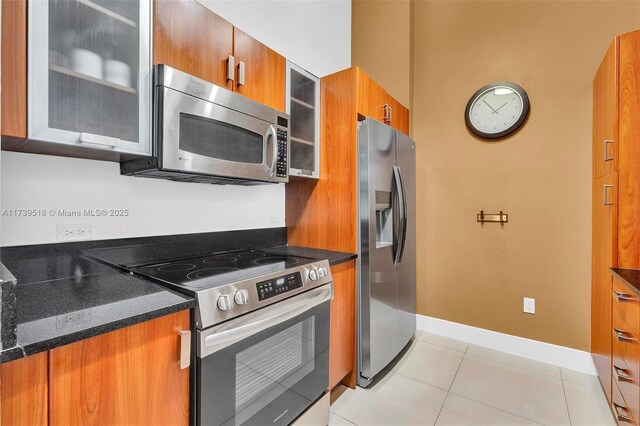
(272, 136)
(250, 324)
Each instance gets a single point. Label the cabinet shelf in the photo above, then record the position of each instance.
(304, 104)
(66, 71)
(298, 140)
(107, 12)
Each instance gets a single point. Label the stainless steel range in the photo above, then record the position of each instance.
(262, 335)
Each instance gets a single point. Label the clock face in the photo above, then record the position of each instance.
(497, 110)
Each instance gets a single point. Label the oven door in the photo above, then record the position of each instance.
(202, 137)
(266, 367)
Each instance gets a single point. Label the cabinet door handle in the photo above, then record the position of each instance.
(387, 113)
(622, 375)
(241, 68)
(606, 144)
(185, 349)
(101, 140)
(605, 199)
(620, 416)
(390, 115)
(231, 68)
(622, 297)
(623, 336)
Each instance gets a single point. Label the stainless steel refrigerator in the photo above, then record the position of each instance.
(387, 246)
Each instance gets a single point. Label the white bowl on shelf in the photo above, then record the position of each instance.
(86, 62)
(117, 72)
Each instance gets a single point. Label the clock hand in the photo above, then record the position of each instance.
(498, 109)
(489, 105)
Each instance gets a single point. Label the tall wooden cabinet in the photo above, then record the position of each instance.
(322, 213)
(616, 221)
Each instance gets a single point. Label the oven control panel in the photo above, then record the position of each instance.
(282, 168)
(278, 285)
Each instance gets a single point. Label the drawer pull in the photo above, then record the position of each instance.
(607, 142)
(624, 297)
(621, 417)
(622, 375)
(623, 336)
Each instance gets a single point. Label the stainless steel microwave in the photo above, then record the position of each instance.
(206, 133)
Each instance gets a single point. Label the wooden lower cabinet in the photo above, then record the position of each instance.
(24, 391)
(126, 377)
(342, 351)
(129, 376)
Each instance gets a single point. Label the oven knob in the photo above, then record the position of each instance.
(322, 272)
(224, 303)
(241, 297)
(313, 274)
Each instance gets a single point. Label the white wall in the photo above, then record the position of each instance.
(315, 34)
(156, 207)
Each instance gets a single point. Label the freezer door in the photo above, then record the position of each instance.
(406, 162)
(378, 294)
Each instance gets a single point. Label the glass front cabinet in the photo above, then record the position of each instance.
(303, 105)
(90, 74)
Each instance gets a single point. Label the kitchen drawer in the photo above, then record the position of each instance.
(627, 305)
(620, 410)
(627, 385)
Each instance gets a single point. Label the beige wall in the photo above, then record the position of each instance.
(381, 43)
(541, 176)
(473, 274)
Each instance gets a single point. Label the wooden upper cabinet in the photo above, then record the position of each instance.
(126, 377)
(605, 113)
(370, 97)
(264, 71)
(14, 68)
(629, 152)
(191, 38)
(399, 116)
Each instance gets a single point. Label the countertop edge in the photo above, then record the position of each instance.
(352, 256)
(617, 272)
(23, 351)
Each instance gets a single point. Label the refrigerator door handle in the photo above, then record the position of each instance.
(402, 210)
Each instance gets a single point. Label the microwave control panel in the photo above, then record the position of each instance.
(279, 285)
(282, 166)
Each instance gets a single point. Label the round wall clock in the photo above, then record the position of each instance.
(497, 110)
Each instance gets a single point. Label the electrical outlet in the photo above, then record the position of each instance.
(73, 232)
(529, 305)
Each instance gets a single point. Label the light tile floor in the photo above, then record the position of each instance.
(447, 382)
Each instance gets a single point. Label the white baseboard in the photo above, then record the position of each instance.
(561, 356)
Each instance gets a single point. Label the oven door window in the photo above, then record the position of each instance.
(219, 140)
(268, 378)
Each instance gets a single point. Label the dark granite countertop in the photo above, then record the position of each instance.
(629, 276)
(73, 291)
(334, 257)
(61, 297)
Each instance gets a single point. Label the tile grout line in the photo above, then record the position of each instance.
(497, 409)
(566, 401)
(344, 418)
(449, 390)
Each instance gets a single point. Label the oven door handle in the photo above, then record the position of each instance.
(219, 337)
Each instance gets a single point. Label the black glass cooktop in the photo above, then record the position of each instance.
(219, 269)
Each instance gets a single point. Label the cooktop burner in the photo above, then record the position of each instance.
(214, 270)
